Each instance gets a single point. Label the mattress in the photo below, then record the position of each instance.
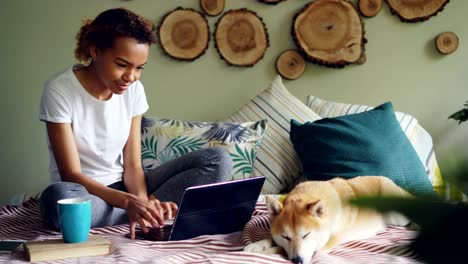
(24, 222)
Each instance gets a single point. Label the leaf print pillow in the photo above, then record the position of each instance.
(165, 139)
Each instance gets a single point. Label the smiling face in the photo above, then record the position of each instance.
(117, 67)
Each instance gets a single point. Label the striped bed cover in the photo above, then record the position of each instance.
(23, 222)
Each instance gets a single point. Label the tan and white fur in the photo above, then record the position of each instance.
(316, 215)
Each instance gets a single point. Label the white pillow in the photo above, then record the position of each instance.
(419, 138)
(276, 158)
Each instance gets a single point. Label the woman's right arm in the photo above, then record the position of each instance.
(68, 163)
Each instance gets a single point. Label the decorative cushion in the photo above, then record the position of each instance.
(276, 158)
(164, 139)
(367, 143)
(420, 139)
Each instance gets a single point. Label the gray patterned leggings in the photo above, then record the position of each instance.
(167, 182)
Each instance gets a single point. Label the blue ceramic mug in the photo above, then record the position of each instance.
(74, 219)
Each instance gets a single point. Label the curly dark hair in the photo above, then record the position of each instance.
(109, 25)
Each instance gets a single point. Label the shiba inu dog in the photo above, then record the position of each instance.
(316, 215)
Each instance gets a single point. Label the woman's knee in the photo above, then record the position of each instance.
(53, 193)
(63, 190)
(221, 160)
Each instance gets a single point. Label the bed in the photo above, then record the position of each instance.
(24, 222)
(267, 119)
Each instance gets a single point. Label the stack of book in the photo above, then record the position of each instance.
(57, 249)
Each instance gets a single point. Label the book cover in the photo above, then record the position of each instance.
(54, 249)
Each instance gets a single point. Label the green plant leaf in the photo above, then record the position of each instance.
(252, 156)
(166, 155)
(243, 160)
(149, 148)
(241, 164)
(244, 170)
(443, 233)
(462, 115)
(182, 145)
(421, 211)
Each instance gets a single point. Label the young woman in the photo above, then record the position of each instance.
(93, 115)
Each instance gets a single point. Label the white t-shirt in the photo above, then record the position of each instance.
(100, 128)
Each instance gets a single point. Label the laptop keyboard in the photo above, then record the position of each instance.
(155, 234)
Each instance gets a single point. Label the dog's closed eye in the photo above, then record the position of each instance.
(304, 236)
(286, 237)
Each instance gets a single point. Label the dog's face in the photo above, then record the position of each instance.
(297, 228)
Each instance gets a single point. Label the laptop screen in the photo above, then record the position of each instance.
(218, 208)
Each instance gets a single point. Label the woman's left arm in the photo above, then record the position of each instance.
(133, 175)
(134, 178)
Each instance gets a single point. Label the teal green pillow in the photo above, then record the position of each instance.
(367, 143)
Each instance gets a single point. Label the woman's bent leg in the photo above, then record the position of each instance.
(169, 181)
(102, 213)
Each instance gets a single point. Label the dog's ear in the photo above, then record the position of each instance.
(315, 208)
(274, 206)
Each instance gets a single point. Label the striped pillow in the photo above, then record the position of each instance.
(276, 158)
(419, 138)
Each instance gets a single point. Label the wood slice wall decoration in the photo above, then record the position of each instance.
(241, 37)
(416, 10)
(184, 34)
(370, 8)
(447, 42)
(290, 64)
(362, 59)
(329, 33)
(271, 2)
(212, 7)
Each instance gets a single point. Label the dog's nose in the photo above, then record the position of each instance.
(297, 260)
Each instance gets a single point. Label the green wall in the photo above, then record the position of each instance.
(402, 66)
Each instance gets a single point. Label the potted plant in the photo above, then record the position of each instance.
(443, 226)
(461, 115)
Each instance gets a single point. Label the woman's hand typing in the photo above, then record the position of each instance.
(148, 213)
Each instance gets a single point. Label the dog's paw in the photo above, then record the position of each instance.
(260, 246)
(265, 246)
